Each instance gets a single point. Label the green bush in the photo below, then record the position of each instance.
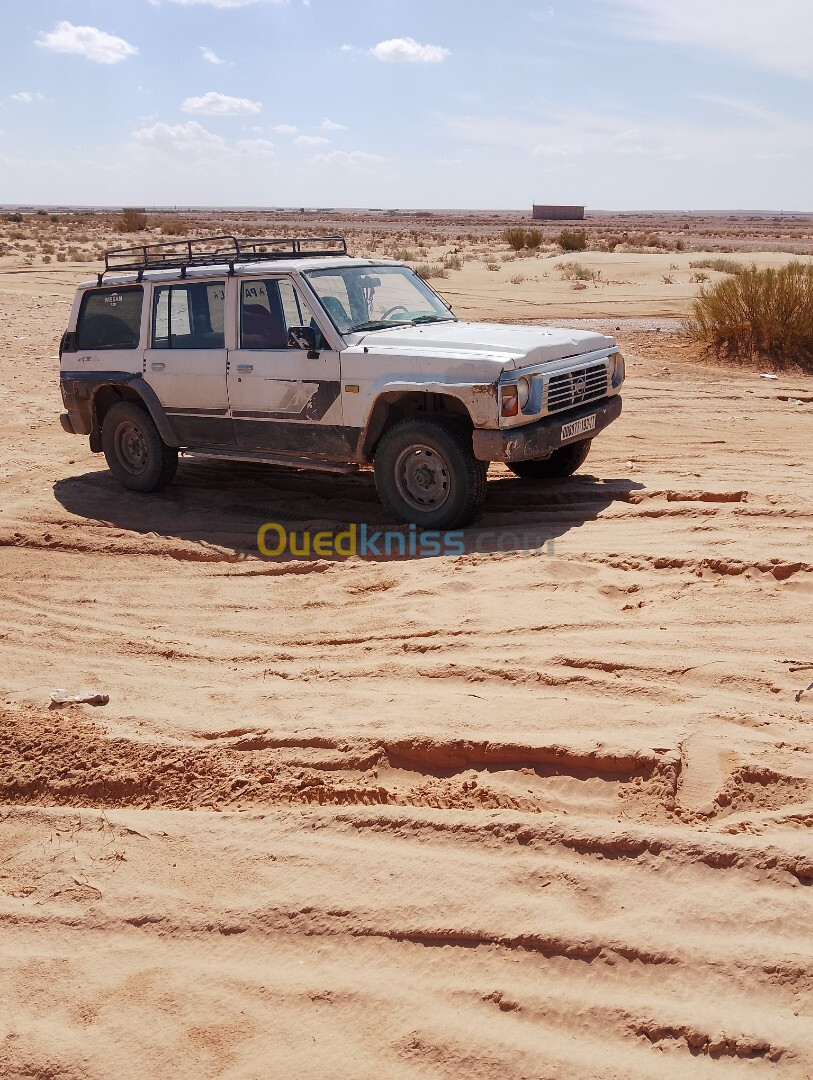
(572, 240)
(764, 313)
(16, 218)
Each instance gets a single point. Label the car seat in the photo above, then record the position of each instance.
(260, 330)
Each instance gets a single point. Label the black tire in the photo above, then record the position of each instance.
(136, 454)
(562, 462)
(426, 473)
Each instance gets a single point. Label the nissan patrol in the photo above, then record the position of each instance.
(291, 352)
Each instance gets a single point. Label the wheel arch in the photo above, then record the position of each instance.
(140, 392)
(392, 406)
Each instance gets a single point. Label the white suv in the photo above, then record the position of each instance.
(291, 352)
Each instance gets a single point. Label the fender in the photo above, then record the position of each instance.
(156, 410)
(79, 390)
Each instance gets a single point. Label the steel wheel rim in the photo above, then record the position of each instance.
(423, 477)
(132, 448)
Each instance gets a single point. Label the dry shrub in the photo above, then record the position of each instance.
(428, 271)
(172, 227)
(131, 221)
(765, 313)
(533, 239)
(515, 238)
(724, 266)
(574, 271)
(572, 239)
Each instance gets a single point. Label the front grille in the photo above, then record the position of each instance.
(571, 388)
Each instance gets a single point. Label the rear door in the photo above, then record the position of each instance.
(284, 399)
(186, 360)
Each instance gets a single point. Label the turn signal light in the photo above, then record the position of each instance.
(510, 401)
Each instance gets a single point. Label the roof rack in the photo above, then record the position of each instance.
(219, 251)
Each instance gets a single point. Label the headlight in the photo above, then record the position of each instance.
(523, 391)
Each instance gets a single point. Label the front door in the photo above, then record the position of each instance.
(283, 399)
(186, 361)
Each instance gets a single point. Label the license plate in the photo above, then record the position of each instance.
(578, 427)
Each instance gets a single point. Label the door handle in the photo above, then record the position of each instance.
(157, 366)
(245, 367)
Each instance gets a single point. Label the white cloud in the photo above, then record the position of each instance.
(397, 50)
(330, 125)
(775, 35)
(214, 104)
(260, 148)
(351, 159)
(210, 56)
(557, 150)
(311, 140)
(87, 41)
(285, 129)
(25, 98)
(347, 48)
(173, 140)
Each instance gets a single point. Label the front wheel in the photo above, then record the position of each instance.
(426, 473)
(136, 454)
(562, 462)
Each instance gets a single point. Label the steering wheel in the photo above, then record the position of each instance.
(392, 310)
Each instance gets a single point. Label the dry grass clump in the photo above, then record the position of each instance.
(170, 227)
(572, 240)
(725, 266)
(573, 271)
(428, 270)
(760, 313)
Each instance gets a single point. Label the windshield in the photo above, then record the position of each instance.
(376, 297)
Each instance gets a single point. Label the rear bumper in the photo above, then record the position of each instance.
(539, 440)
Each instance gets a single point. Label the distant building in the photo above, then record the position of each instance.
(558, 213)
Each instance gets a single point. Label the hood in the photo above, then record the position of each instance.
(524, 345)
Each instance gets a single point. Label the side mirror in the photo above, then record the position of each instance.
(303, 337)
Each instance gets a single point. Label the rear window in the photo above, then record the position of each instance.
(110, 319)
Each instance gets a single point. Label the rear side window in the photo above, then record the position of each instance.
(110, 319)
(188, 316)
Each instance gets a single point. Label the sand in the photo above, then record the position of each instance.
(494, 815)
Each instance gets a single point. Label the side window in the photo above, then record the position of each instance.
(110, 319)
(335, 297)
(268, 309)
(189, 316)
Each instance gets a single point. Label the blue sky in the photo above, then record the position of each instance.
(618, 104)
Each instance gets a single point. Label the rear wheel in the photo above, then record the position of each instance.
(426, 473)
(135, 452)
(562, 462)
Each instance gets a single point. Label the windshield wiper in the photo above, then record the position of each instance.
(375, 324)
(432, 318)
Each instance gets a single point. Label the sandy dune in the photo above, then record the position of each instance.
(494, 815)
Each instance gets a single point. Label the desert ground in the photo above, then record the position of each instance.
(542, 810)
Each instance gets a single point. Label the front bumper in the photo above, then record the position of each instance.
(539, 440)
